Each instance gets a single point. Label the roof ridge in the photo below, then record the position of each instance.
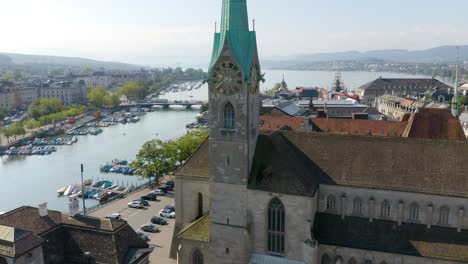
(192, 155)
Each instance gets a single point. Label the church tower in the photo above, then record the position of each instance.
(234, 101)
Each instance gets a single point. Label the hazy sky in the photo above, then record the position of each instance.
(140, 31)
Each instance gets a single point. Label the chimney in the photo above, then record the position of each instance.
(42, 209)
(73, 205)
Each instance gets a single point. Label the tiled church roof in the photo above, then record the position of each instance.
(199, 230)
(386, 236)
(414, 165)
(198, 164)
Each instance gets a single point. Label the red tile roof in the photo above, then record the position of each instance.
(272, 123)
(360, 127)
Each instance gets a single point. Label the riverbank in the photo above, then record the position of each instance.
(34, 179)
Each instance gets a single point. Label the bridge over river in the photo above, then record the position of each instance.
(167, 104)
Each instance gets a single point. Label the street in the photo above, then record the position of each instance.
(137, 217)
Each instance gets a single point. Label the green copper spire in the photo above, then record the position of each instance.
(234, 15)
(455, 100)
(235, 35)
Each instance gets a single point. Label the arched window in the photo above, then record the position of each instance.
(385, 210)
(357, 206)
(339, 260)
(444, 215)
(414, 212)
(200, 205)
(276, 226)
(326, 259)
(197, 257)
(331, 203)
(229, 116)
(352, 261)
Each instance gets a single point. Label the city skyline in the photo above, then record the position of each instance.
(146, 32)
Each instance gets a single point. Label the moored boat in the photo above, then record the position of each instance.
(62, 190)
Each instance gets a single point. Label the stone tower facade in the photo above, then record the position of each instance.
(234, 100)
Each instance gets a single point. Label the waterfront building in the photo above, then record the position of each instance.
(42, 236)
(7, 95)
(314, 198)
(398, 87)
(66, 91)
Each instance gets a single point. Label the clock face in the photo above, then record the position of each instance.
(227, 78)
(254, 78)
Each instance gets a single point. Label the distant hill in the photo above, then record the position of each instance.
(435, 55)
(25, 59)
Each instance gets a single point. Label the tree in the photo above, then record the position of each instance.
(3, 113)
(134, 90)
(31, 124)
(16, 129)
(157, 158)
(275, 88)
(204, 108)
(99, 97)
(44, 106)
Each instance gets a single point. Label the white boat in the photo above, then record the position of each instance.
(113, 186)
(62, 190)
(121, 188)
(68, 190)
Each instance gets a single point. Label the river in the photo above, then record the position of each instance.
(31, 180)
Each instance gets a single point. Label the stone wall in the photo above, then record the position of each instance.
(345, 255)
(186, 249)
(34, 256)
(400, 204)
(186, 199)
(299, 216)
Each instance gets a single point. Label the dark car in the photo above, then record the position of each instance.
(143, 201)
(150, 197)
(170, 208)
(171, 184)
(164, 188)
(150, 228)
(143, 236)
(158, 220)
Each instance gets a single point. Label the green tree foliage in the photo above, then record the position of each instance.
(44, 107)
(158, 158)
(3, 113)
(31, 124)
(100, 97)
(15, 129)
(134, 90)
(204, 108)
(62, 115)
(275, 88)
(12, 76)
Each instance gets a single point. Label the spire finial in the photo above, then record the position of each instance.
(253, 23)
(216, 26)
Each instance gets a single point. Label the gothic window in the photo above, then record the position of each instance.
(276, 226)
(357, 206)
(326, 259)
(200, 205)
(444, 215)
(414, 212)
(229, 116)
(197, 257)
(352, 261)
(385, 210)
(331, 203)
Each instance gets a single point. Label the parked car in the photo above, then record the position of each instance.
(170, 208)
(167, 213)
(150, 197)
(158, 220)
(144, 202)
(171, 185)
(158, 192)
(134, 204)
(150, 228)
(114, 216)
(143, 236)
(164, 188)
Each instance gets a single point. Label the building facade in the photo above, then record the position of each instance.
(66, 91)
(295, 197)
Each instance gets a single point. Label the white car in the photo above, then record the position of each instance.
(167, 213)
(157, 192)
(135, 204)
